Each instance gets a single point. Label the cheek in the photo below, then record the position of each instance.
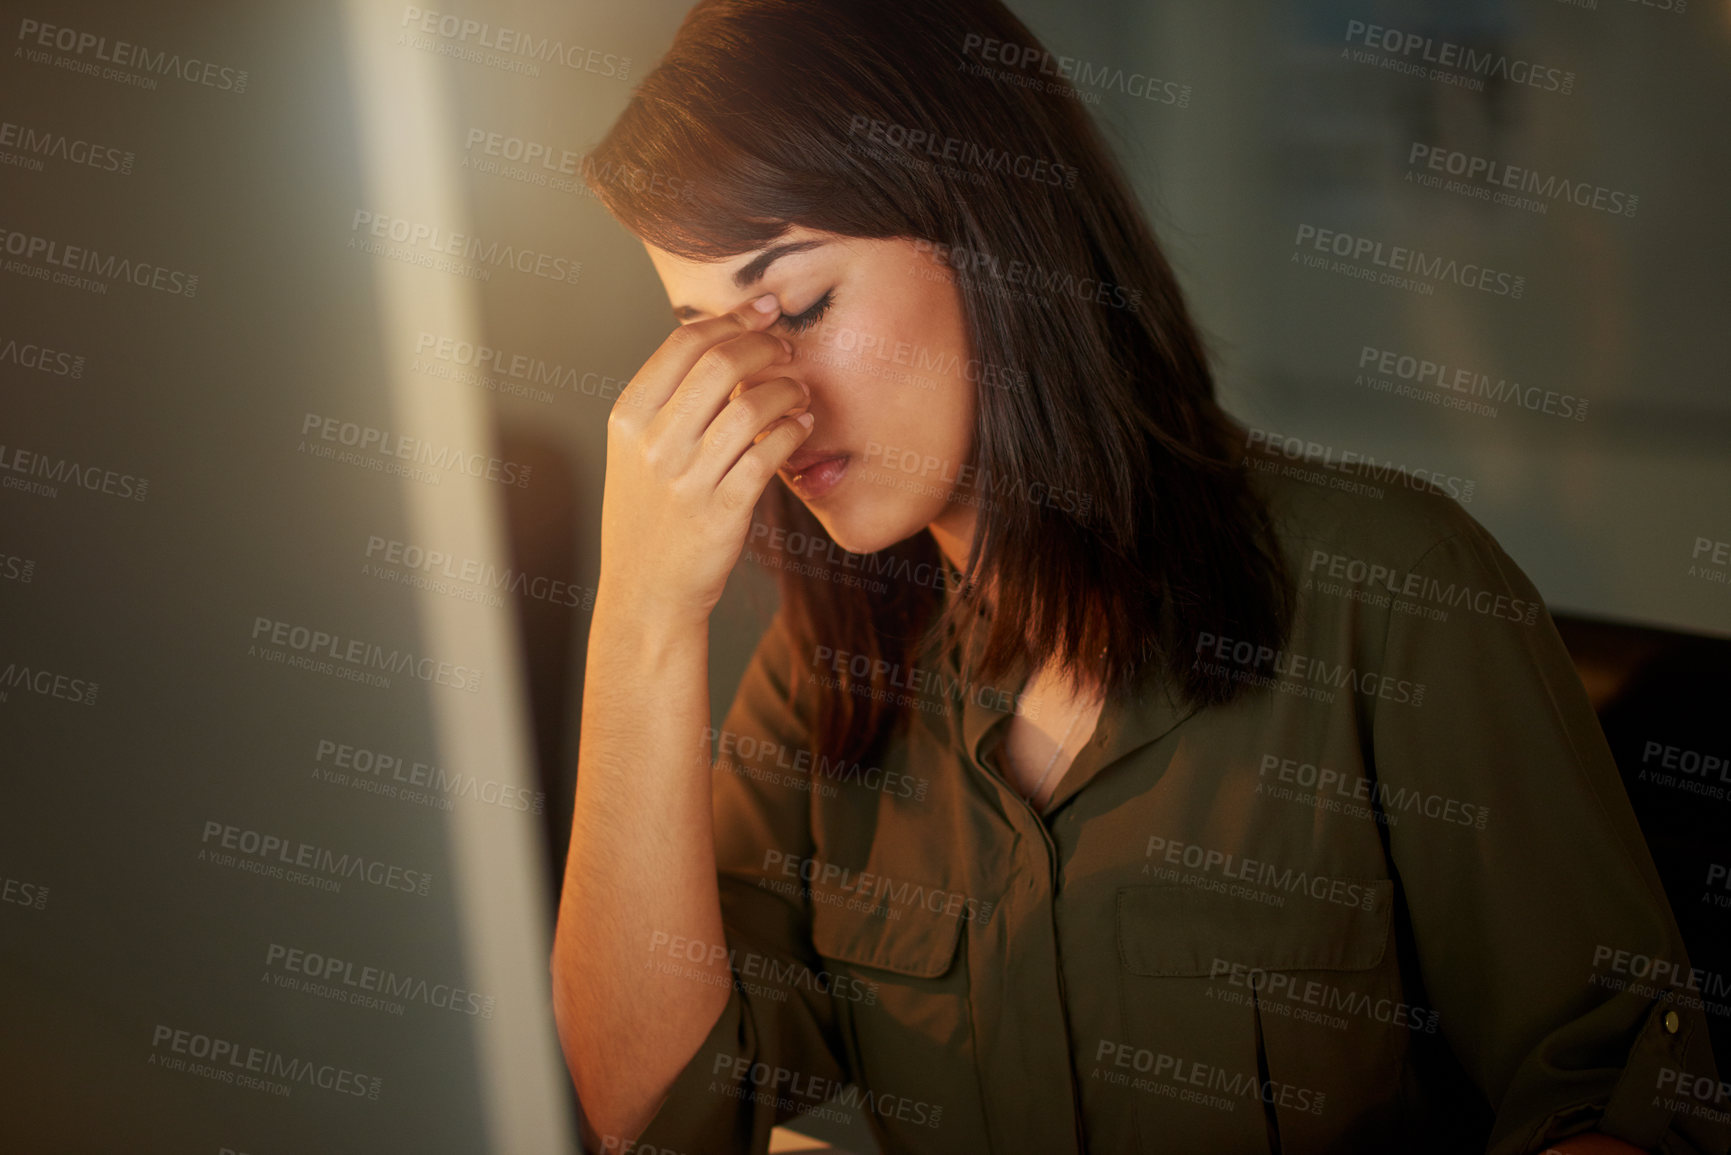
(890, 373)
(920, 332)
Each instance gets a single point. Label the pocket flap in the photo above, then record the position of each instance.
(1186, 931)
(921, 942)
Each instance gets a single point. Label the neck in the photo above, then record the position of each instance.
(954, 533)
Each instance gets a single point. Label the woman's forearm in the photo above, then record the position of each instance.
(640, 872)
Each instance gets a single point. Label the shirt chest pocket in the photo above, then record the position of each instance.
(904, 940)
(1249, 1021)
(908, 1030)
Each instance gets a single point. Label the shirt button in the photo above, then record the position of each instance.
(1672, 1022)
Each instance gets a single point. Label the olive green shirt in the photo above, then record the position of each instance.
(1393, 897)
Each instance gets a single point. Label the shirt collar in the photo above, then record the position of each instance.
(1129, 721)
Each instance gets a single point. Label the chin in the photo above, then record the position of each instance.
(862, 531)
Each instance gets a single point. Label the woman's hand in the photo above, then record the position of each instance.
(687, 460)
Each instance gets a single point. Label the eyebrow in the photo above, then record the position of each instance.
(753, 271)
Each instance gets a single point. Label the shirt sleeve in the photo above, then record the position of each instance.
(774, 1051)
(1518, 923)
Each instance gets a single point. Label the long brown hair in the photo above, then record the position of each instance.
(755, 118)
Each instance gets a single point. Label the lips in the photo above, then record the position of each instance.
(804, 458)
(812, 473)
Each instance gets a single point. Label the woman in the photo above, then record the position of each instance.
(1106, 782)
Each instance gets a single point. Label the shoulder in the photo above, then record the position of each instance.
(1374, 513)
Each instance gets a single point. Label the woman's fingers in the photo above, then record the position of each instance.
(745, 482)
(662, 373)
(700, 398)
(743, 421)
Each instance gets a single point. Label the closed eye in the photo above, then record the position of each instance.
(805, 320)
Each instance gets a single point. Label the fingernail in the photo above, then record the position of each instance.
(786, 344)
(805, 419)
(765, 303)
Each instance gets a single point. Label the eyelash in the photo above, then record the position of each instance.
(805, 320)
